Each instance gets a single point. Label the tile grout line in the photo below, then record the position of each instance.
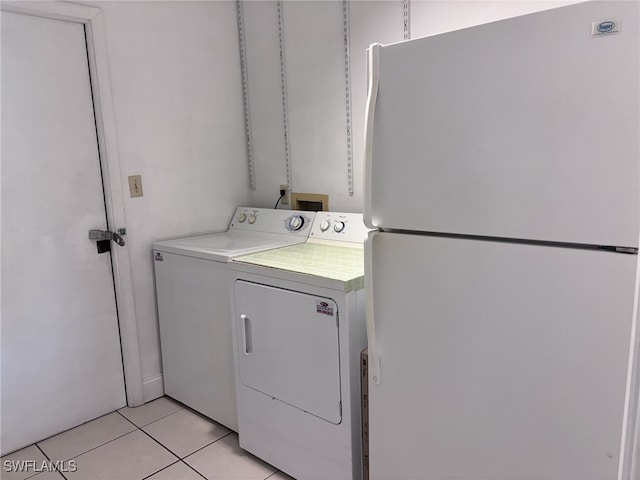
(98, 446)
(163, 446)
(126, 419)
(181, 459)
(42, 451)
(189, 466)
(279, 471)
(154, 421)
(37, 445)
(175, 463)
(224, 436)
(178, 459)
(163, 468)
(208, 444)
(87, 451)
(187, 409)
(68, 430)
(136, 427)
(47, 457)
(188, 455)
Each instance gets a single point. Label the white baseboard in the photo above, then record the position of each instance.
(153, 388)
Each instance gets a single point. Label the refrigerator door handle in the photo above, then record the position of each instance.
(373, 53)
(374, 358)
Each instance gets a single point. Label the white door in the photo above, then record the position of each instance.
(498, 360)
(288, 347)
(61, 360)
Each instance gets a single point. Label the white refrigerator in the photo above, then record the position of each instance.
(503, 178)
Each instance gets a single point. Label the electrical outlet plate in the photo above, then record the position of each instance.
(285, 199)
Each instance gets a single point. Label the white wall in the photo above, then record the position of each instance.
(175, 76)
(315, 81)
(431, 17)
(316, 93)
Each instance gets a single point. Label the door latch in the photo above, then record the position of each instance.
(100, 235)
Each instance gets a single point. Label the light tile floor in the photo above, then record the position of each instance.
(161, 440)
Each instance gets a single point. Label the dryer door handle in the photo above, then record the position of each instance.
(246, 330)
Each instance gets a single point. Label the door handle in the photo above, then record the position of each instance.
(248, 341)
(373, 79)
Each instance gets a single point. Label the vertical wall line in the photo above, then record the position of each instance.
(347, 81)
(283, 83)
(245, 92)
(406, 14)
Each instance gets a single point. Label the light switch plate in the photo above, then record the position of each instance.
(135, 185)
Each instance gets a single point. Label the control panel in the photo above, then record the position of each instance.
(270, 220)
(344, 227)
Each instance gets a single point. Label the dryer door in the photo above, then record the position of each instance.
(288, 347)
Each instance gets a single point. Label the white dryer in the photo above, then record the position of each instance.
(193, 305)
(298, 315)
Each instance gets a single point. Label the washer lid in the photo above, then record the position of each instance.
(224, 243)
(222, 246)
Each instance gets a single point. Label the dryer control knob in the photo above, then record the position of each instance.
(252, 218)
(242, 217)
(295, 223)
(339, 226)
(324, 226)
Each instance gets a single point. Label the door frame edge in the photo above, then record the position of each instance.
(92, 19)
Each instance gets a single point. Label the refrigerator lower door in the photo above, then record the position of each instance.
(498, 360)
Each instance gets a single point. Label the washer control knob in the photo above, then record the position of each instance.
(242, 217)
(324, 226)
(252, 218)
(295, 223)
(338, 226)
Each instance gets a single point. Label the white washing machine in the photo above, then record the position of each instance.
(193, 305)
(298, 315)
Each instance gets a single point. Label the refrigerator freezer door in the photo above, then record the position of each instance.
(498, 360)
(522, 128)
